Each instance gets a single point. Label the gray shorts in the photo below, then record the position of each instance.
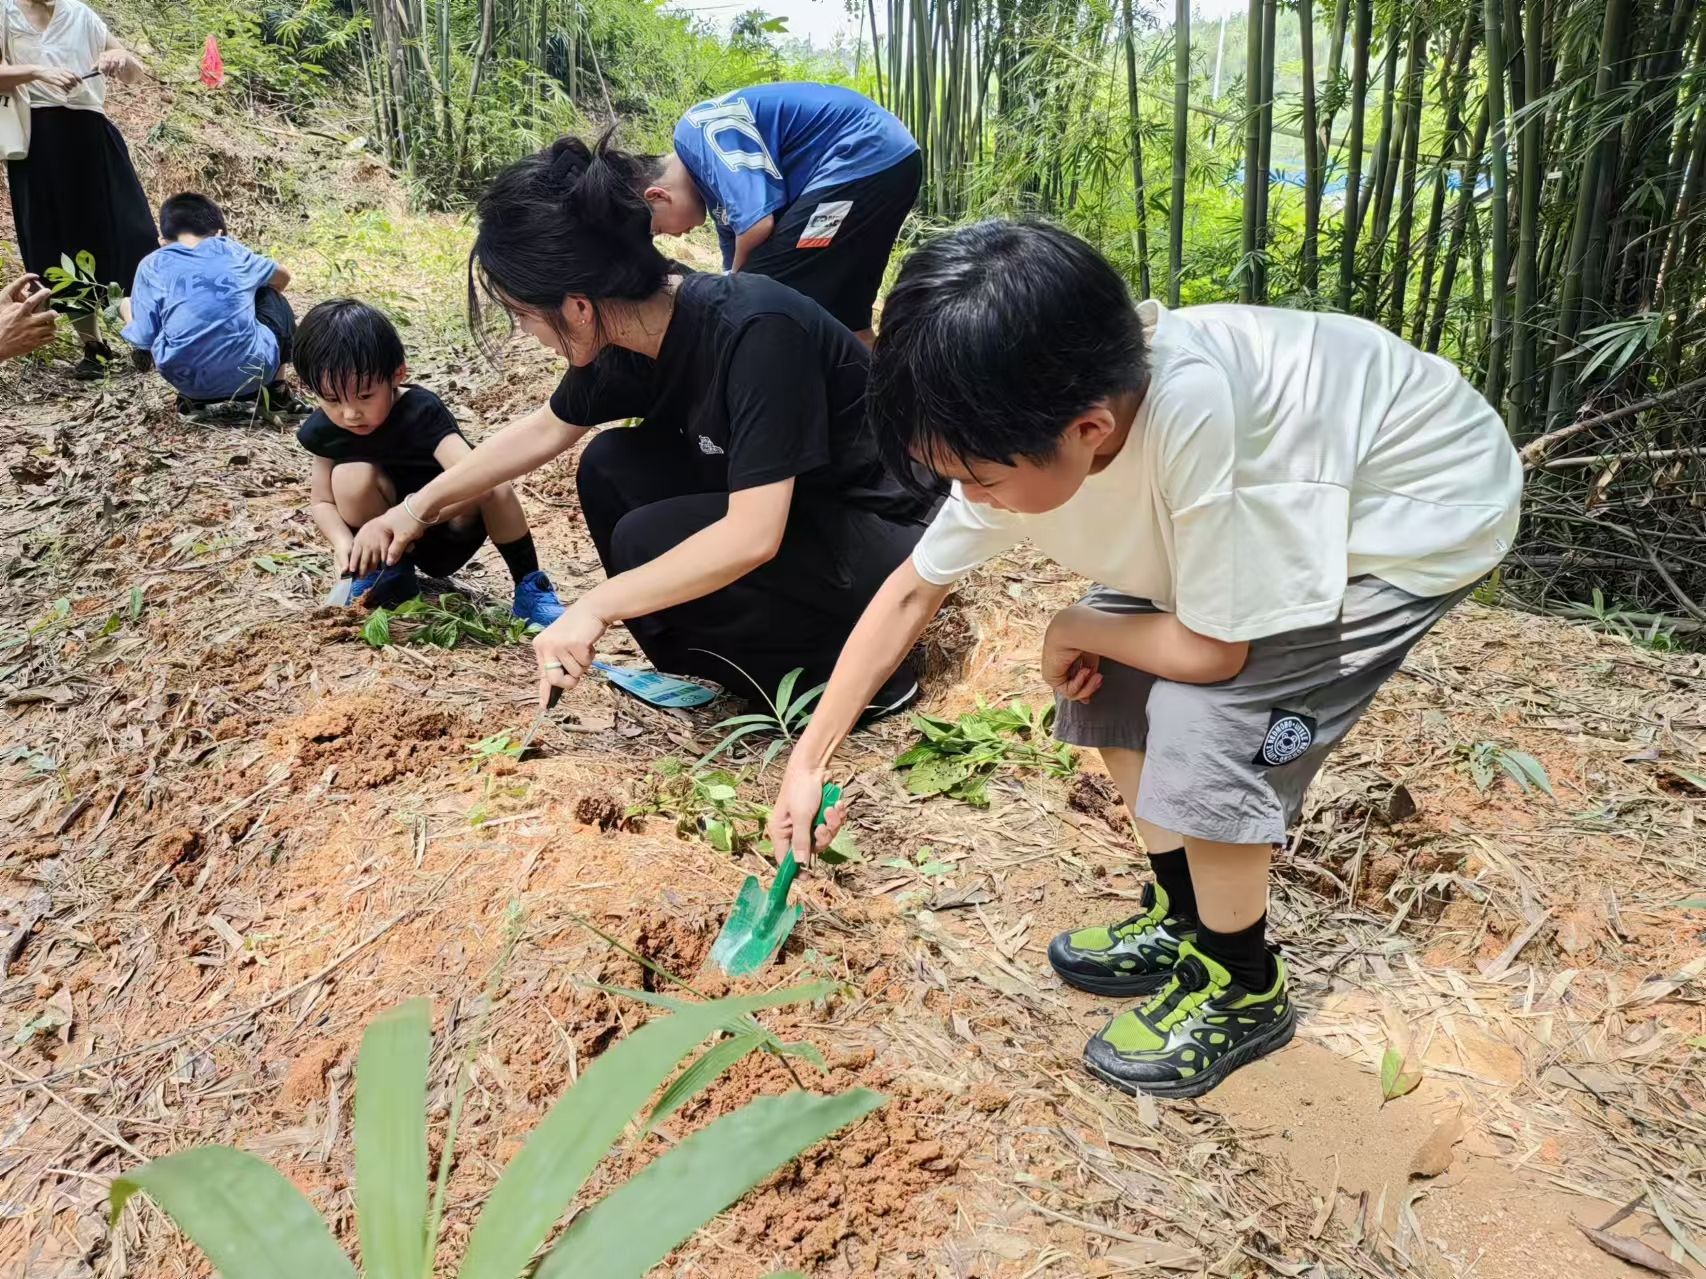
(1231, 761)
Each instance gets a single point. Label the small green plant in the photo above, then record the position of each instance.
(787, 716)
(958, 758)
(444, 622)
(923, 863)
(75, 285)
(251, 1223)
(1486, 760)
(1492, 588)
(497, 746)
(1655, 633)
(707, 805)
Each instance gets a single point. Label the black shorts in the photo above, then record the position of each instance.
(839, 261)
(443, 548)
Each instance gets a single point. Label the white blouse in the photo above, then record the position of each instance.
(74, 38)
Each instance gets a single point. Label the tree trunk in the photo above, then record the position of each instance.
(1137, 191)
(1253, 182)
(1412, 136)
(1313, 176)
(1181, 133)
(1353, 166)
(1385, 177)
(1588, 208)
(1459, 230)
(1494, 386)
(1454, 141)
(1531, 162)
(1264, 161)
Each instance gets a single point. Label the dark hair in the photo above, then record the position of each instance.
(189, 212)
(568, 221)
(994, 338)
(342, 345)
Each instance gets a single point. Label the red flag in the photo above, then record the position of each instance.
(212, 65)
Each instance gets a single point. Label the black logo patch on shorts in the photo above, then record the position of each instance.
(1289, 735)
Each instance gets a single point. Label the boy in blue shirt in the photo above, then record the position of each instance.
(211, 312)
(808, 184)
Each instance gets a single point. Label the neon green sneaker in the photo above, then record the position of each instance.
(1132, 957)
(1194, 1032)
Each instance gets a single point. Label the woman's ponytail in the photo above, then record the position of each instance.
(568, 221)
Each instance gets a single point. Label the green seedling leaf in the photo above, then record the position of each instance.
(135, 602)
(935, 777)
(935, 868)
(1527, 771)
(390, 1142)
(377, 629)
(542, 1180)
(1693, 903)
(1699, 1042)
(111, 626)
(706, 1069)
(241, 1213)
(636, 1225)
(1394, 1083)
(841, 850)
(720, 836)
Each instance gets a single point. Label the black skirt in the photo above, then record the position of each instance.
(76, 191)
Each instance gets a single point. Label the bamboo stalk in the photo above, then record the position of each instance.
(1314, 177)
(1181, 132)
(1353, 177)
(1494, 384)
(1531, 165)
(1252, 150)
(1139, 198)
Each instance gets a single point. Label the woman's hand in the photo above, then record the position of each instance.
(61, 78)
(343, 556)
(118, 64)
(565, 649)
(796, 810)
(1070, 671)
(384, 540)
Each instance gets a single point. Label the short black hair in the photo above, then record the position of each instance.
(192, 213)
(342, 345)
(993, 340)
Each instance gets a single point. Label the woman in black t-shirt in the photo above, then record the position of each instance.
(745, 522)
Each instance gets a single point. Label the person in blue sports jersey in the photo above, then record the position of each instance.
(807, 183)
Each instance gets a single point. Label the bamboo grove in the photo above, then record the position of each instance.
(1513, 183)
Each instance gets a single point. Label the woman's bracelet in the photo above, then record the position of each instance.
(413, 514)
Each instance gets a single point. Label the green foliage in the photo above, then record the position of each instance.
(497, 746)
(787, 716)
(958, 758)
(1642, 630)
(1486, 760)
(251, 1223)
(445, 622)
(707, 804)
(78, 289)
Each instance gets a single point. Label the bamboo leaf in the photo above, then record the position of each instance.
(706, 1069)
(241, 1212)
(637, 1224)
(545, 1176)
(785, 692)
(390, 1142)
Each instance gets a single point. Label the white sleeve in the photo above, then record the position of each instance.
(1252, 557)
(962, 536)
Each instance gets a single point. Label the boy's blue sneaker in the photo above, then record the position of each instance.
(391, 585)
(536, 601)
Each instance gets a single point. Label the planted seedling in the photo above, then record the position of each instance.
(787, 716)
(444, 622)
(251, 1222)
(958, 758)
(1484, 761)
(497, 746)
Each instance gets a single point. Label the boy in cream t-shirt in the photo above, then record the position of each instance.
(1277, 504)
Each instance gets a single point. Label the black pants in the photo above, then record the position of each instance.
(273, 311)
(643, 493)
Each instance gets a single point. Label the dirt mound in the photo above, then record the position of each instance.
(371, 738)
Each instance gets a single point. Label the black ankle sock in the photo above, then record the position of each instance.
(1173, 873)
(520, 556)
(1244, 954)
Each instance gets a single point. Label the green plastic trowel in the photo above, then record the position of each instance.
(760, 922)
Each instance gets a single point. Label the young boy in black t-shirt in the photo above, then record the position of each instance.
(376, 439)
